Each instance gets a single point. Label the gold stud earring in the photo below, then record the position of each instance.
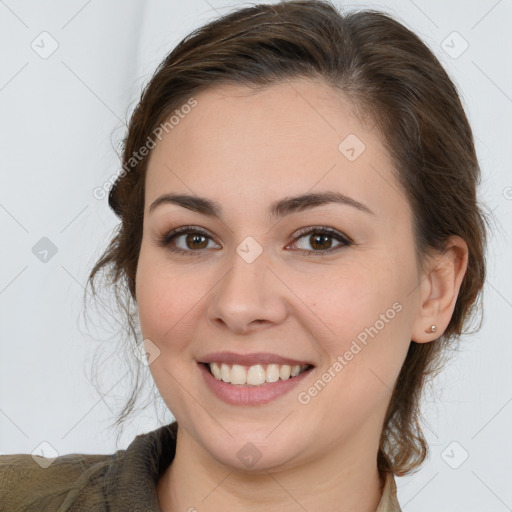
(433, 328)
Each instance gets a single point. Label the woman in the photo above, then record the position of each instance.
(301, 238)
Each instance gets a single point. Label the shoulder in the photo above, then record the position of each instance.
(27, 482)
(124, 480)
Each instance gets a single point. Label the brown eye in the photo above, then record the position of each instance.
(320, 240)
(194, 240)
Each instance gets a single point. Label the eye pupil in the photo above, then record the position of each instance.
(320, 236)
(193, 237)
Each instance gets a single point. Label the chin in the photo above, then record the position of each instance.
(251, 447)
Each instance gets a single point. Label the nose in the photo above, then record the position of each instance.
(248, 297)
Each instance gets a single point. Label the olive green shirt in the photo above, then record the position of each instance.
(122, 482)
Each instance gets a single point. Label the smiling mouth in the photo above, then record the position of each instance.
(255, 375)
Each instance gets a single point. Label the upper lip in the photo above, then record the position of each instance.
(250, 359)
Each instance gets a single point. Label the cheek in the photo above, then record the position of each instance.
(344, 301)
(361, 324)
(166, 300)
(361, 321)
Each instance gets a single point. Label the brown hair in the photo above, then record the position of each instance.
(389, 74)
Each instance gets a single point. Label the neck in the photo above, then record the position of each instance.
(343, 480)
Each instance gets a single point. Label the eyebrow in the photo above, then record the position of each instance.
(278, 209)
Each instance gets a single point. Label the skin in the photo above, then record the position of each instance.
(245, 150)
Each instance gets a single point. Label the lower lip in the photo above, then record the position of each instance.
(239, 394)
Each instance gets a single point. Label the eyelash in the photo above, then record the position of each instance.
(165, 240)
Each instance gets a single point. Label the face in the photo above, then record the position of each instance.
(329, 286)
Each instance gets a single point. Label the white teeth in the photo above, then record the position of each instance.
(255, 375)
(225, 373)
(272, 373)
(284, 371)
(238, 374)
(214, 367)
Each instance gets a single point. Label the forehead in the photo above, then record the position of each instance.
(248, 146)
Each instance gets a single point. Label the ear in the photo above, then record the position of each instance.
(439, 289)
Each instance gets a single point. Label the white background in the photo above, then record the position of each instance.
(62, 119)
